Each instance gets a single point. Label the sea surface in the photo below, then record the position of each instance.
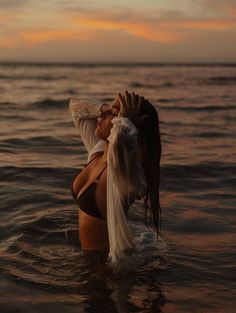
(192, 267)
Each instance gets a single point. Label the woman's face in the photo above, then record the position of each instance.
(107, 113)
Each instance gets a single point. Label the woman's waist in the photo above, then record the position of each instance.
(87, 219)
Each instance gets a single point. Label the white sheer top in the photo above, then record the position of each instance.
(125, 176)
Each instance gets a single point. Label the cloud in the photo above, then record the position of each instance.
(204, 24)
(126, 21)
(9, 4)
(3, 18)
(41, 36)
(36, 37)
(92, 24)
(139, 29)
(225, 7)
(8, 42)
(169, 29)
(6, 19)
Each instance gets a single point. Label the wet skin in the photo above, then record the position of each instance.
(93, 231)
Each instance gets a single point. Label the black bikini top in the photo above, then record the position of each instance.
(87, 200)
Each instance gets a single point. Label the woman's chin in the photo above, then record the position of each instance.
(100, 135)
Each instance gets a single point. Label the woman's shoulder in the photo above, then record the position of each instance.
(99, 147)
(96, 155)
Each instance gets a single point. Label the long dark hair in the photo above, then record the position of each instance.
(150, 145)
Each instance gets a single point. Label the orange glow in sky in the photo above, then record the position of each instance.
(154, 31)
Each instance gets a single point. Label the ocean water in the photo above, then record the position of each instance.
(192, 267)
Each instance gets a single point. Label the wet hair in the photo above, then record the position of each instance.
(150, 150)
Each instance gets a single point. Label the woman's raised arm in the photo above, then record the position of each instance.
(84, 116)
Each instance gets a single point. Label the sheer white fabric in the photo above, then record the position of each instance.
(125, 176)
(84, 116)
(125, 183)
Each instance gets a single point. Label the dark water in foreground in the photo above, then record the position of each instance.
(192, 269)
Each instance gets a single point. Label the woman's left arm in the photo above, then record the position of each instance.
(125, 183)
(124, 152)
(126, 179)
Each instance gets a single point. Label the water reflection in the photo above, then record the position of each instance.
(130, 293)
(137, 291)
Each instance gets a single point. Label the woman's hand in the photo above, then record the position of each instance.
(131, 106)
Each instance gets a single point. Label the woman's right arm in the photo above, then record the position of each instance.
(84, 116)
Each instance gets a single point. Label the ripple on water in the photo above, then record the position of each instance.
(61, 265)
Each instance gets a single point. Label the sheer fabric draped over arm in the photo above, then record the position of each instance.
(125, 182)
(84, 116)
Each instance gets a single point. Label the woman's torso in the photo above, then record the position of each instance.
(90, 185)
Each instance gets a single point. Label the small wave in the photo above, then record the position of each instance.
(50, 229)
(71, 91)
(8, 104)
(170, 173)
(9, 173)
(201, 176)
(55, 178)
(197, 170)
(41, 78)
(152, 86)
(43, 145)
(34, 141)
(167, 84)
(107, 99)
(167, 100)
(209, 134)
(48, 253)
(16, 117)
(51, 265)
(230, 118)
(222, 80)
(49, 104)
(36, 170)
(206, 108)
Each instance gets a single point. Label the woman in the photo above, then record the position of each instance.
(124, 149)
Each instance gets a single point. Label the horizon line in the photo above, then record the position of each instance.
(115, 63)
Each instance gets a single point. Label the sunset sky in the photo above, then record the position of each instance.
(118, 30)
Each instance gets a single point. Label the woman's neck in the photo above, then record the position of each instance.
(104, 156)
